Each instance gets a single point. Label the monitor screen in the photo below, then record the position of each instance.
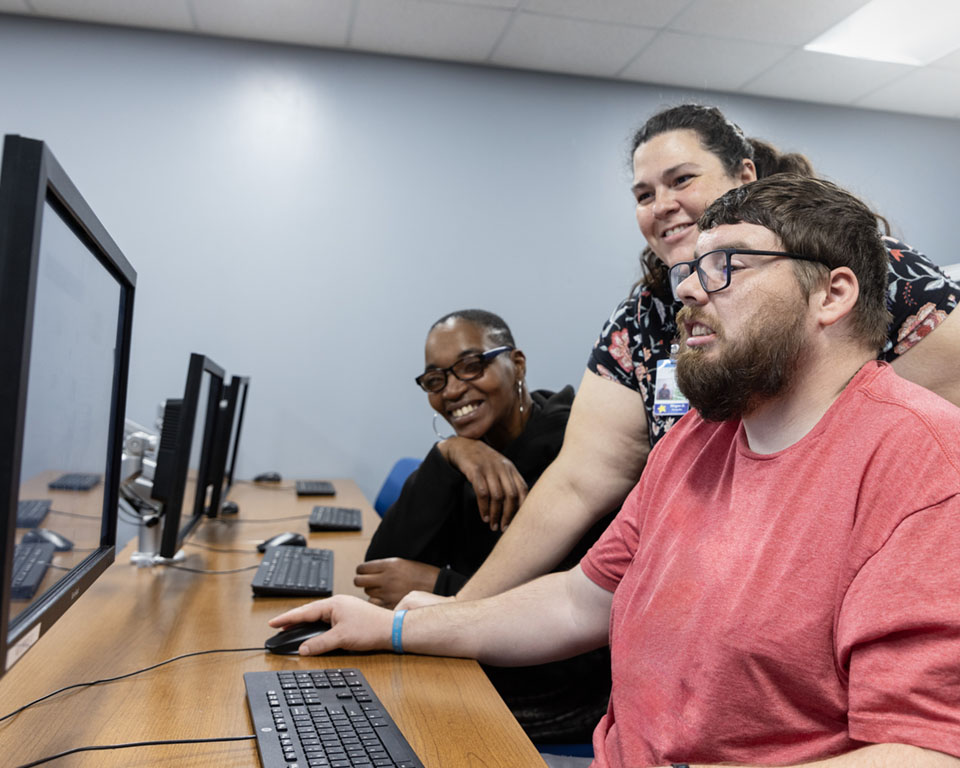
(184, 477)
(67, 296)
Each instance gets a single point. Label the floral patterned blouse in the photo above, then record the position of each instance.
(642, 328)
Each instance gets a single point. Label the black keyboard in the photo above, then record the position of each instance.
(30, 563)
(287, 570)
(335, 519)
(324, 718)
(74, 481)
(314, 488)
(31, 512)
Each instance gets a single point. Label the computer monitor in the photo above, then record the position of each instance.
(241, 386)
(227, 441)
(184, 479)
(67, 296)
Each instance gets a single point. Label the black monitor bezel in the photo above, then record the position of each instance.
(227, 441)
(235, 444)
(31, 177)
(175, 529)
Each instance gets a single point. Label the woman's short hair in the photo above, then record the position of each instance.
(495, 326)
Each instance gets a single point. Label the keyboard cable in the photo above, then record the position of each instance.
(133, 744)
(124, 676)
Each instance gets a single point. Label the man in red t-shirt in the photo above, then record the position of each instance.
(783, 586)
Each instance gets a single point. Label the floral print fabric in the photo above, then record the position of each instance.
(642, 329)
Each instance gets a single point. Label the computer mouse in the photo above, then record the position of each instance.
(60, 543)
(267, 477)
(289, 640)
(229, 508)
(288, 538)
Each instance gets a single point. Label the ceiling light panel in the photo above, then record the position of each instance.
(915, 32)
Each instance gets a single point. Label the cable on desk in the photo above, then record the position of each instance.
(230, 521)
(73, 514)
(132, 744)
(212, 573)
(126, 675)
(265, 485)
(251, 551)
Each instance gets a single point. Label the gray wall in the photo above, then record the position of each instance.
(302, 216)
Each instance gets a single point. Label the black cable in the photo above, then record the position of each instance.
(73, 514)
(251, 551)
(266, 485)
(126, 675)
(129, 745)
(227, 520)
(201, 570)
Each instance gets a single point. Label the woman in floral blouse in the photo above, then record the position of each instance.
(683, 159)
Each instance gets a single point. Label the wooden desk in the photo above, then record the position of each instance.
(134, 617)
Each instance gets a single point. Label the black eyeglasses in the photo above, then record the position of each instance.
(466, 369)
(713, 268)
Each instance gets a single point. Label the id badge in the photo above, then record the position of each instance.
(668, 399)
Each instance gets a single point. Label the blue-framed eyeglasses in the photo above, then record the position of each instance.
(714, 270)
(466, 368)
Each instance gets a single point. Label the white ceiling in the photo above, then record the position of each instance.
(739, 46)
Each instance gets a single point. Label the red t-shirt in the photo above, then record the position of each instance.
(774, 609)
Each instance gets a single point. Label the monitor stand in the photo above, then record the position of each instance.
(148, 546)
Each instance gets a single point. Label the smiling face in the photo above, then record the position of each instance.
(674, 180)
(743, 345)
(486, 408)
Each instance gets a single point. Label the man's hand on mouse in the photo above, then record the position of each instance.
(356, 625)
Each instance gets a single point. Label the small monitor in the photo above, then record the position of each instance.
(183, 480)
(237, 402)
(67, 296)
(227, 442)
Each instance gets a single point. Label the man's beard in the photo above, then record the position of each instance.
(748, 372)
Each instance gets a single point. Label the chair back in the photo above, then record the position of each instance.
(394, 484)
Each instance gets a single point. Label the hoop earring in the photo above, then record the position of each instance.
(436, 431)
(520, 394)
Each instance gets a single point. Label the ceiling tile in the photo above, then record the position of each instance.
(433, 30)
(490, 3)
(925, 91)
(567, 45)
(641, 13)
(950, 61)
(170, 14)
(702, 62)
(793, 22)
(810, 76)
(306, 22)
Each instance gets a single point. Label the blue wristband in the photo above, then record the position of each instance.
(397, 636)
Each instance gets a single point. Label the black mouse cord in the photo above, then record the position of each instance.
(128, 674)
(210, 573)
(267, 485)
(251, 551)
(130, 745)
(73, 514)
(232, 520)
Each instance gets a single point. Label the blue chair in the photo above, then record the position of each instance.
(570, 750)
(394, 484)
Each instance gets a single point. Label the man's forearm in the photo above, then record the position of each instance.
(553, 617)
(876, 756)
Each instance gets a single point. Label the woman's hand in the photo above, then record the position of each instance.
(386, 581)
(420, 599)
(500, 488)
